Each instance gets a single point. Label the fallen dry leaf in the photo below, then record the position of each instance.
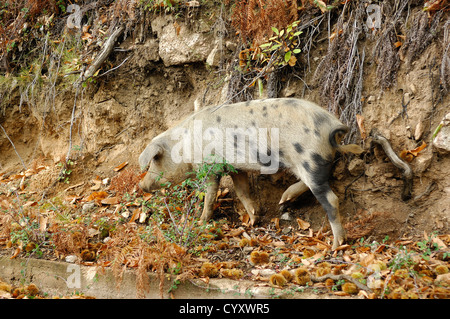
(360, 122)
(97, 196)
(97, 183)
(236, 232)
(409, 155)
(136, 214)
(440, 244)
(292, 60)
(111, 201)
(43, 223)
(121, 166)
(304, 225)
(276, 221)
(17, 252)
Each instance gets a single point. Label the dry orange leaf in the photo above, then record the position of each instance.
(236, 232)
(398, 44)
(360, 122)
(304, 225)
(43, 223)
(111, 201)
(147, 196)
(408, 155)
(17, 252)
(416, 151)
(135, 215)
(245, 219)
(276, 221)
(97, 196)
(292, 60)
(118, 168)
(177, 28)
(86, 36)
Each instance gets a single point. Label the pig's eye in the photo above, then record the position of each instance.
(156, 157)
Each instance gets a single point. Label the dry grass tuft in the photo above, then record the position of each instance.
(125, 182)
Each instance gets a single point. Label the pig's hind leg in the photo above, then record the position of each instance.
(315, 174)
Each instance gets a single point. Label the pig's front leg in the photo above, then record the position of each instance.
(293, 191)
(210, 198)
(242, 188)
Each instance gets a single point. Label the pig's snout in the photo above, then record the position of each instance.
(142, 186)
(145, 184)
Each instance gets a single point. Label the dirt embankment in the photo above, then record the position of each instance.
(111, 121)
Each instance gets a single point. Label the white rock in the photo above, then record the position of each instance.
(214, 56)
(71, 258)
(422, 162)
(88, 206)
(371, 98)
(418, 132)
(180, 45)
(267, 272)
(442, 140)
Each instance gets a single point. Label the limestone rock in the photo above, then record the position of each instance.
(442, 140)
(422, 162)
(214, 57)
(178, 44)
(356, 167)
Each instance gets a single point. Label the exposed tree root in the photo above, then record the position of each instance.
(106, 50)
(397, 161)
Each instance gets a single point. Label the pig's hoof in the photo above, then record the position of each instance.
(253, 221)
(338, 241)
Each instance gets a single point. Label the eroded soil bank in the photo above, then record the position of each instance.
(61, 143)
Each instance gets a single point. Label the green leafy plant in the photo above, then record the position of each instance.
(66, 170)
(160, 5)
(277, 52)
(282, 47)
(177, 208)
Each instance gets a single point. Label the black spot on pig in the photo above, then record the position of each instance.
(298, 147)
(307, 167)
(320, 119)
(322, 167)
(291, 102)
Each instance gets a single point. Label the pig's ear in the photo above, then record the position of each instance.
(151, 151)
